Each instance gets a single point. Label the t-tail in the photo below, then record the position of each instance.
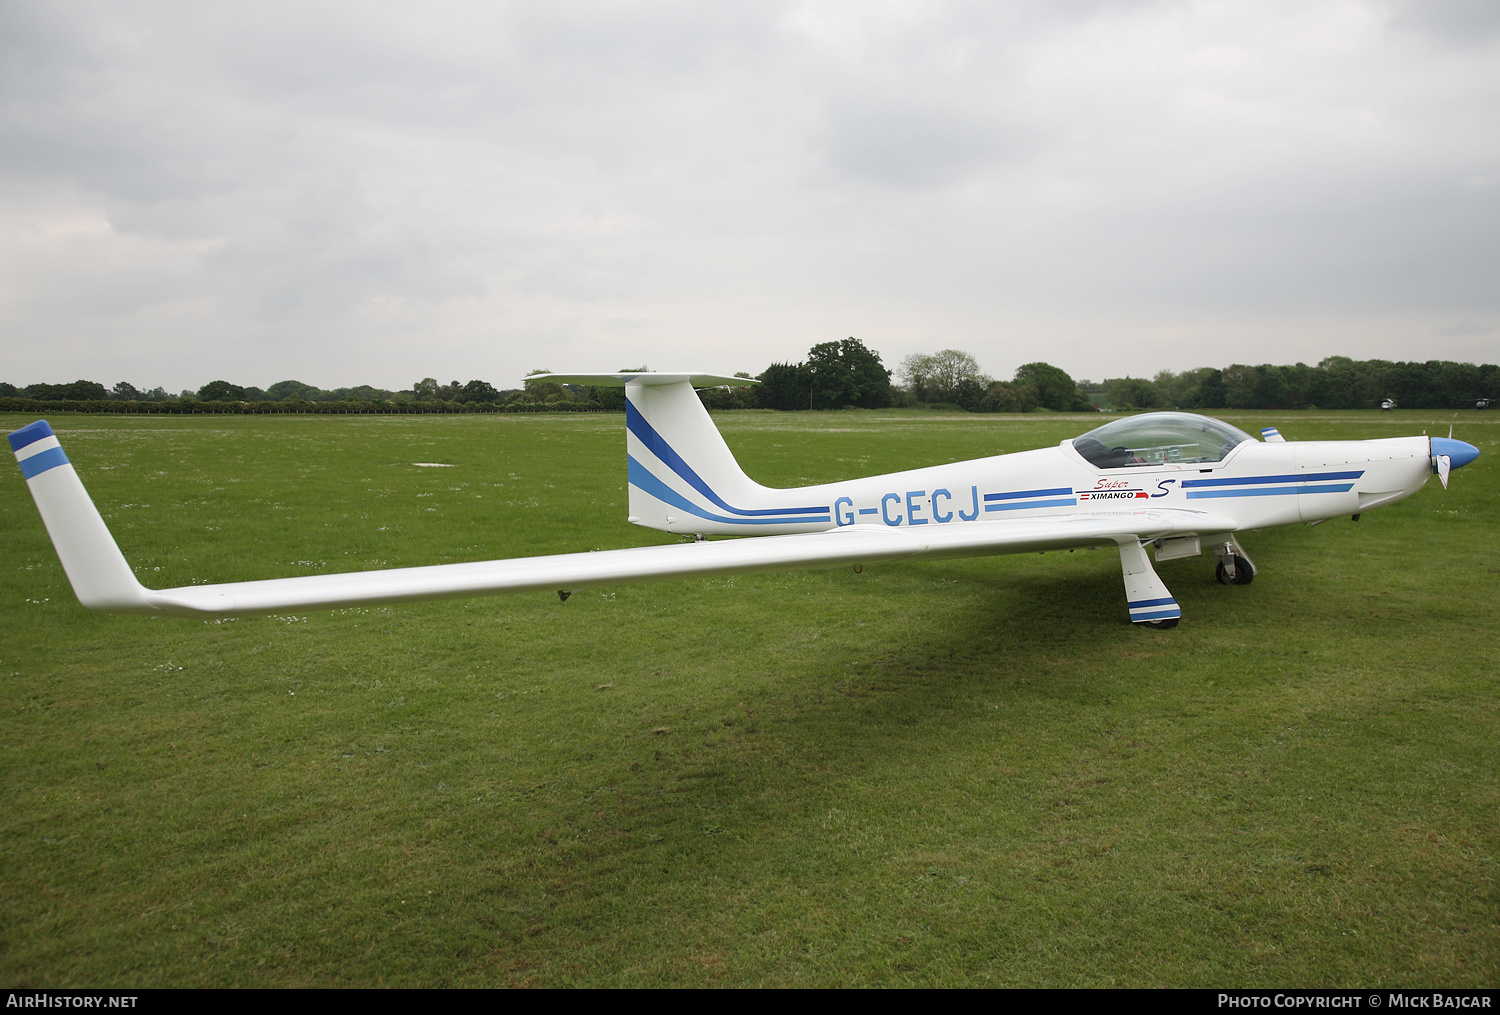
(683, 477)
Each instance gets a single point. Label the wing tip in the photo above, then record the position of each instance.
(29, 434)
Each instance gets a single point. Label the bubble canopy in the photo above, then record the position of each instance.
(1159, 438)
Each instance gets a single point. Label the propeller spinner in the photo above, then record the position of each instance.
(1449, 454)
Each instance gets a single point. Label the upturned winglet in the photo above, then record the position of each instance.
(91, 559)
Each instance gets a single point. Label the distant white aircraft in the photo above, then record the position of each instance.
(1176, 481)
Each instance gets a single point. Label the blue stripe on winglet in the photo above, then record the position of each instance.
(29, 434)
(40, 463)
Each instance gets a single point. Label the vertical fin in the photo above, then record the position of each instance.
(683, 477)
(673, 443)
(91, 559)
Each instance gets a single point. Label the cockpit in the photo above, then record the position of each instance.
(1159, 438)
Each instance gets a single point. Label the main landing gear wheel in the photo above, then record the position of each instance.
(1243, 573)
(1162, 625)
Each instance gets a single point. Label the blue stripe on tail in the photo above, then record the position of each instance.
(642, 478)
(657, 444)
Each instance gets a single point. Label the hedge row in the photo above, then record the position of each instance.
(34, 405)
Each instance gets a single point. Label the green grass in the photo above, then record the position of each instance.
(944, 773)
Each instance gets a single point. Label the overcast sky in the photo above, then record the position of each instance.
(364, 193)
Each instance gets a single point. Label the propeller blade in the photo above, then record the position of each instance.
(1444, 466)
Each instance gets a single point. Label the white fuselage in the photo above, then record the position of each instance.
(1256, 485)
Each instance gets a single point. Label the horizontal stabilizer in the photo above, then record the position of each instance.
(619, 380)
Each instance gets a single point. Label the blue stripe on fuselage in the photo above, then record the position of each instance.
(1305, 477)
(1061, 491)
(1269, 491)
(1023, 505)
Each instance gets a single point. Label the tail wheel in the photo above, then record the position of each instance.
(1243, 573)
(1161, 625)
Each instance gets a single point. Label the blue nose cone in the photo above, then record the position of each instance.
(1459, 454)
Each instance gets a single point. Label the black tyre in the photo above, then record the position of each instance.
(1162, 625)
(1243, 573)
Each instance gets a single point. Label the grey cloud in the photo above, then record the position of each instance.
(1466, 23)
(1464, 329)
(467, 180)
(905, 144)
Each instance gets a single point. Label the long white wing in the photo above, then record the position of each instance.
(104, 581)
(852, 545)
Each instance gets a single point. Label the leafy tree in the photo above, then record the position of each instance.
(728, 396)
(8, 390)
(969, 393)
(283, 390)
(781, 387)
(1239, 385)
(78, 391)
(942, 376)
(545, 391)
(221, 391)
(358, 393)
(1009, 396)
(1184, 390)
(1055, 390)
(425, 389)
(1211, 391)
(479, 391)
(1134, 393)
(916, 372)
(847, 373)
(124, 392)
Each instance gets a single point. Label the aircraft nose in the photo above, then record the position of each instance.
(1459, 453)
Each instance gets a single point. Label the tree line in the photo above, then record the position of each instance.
(1337, 382)
(847, 374)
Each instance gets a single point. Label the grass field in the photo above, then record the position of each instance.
(943, 773)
